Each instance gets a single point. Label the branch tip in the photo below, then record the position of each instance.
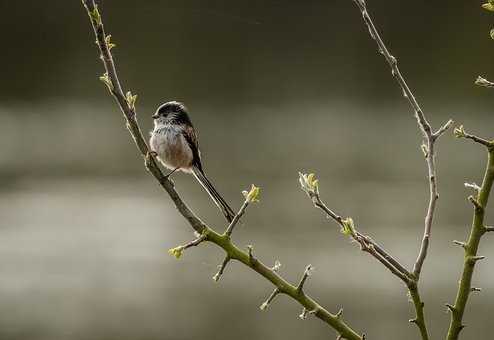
(221, 269)
(443, 129)
(250, 196)
(309, 183)
(178, 251)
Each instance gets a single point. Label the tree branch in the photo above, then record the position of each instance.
(310, 185)
(429, 151)
(471, 247)
(223, 241)
(461, 133)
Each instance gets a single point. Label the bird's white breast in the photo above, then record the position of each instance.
(171, 146)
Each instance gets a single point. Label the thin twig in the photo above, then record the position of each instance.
(221, 269)
(270, 299)
(425, 127)
(429, 152)
(366, 243)
(200, 227)
(236, 218)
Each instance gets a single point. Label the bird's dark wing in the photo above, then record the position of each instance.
(191, 138)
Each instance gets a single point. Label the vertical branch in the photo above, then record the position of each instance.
(428, 147)
(477, 230)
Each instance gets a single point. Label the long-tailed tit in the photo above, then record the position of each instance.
(174, 141)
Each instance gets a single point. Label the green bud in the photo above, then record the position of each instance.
(348, 227)
(309, 183)
(106, 80)
(131, 100)
(425, 149)
(95, 15)
(252, 195)
(459, 132)
(177, 251)
(109, 43)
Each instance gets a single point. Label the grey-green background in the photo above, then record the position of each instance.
(274, 87)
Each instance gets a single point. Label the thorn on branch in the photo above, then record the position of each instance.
(488, 229)
(461, 244)
(473, 186)
(305, 313)
(481, 81)
(450, 308)
(307, 272)
(475, 289)
(340, 313)
(271, 297)
(475, 203)
(425, 150)
(250, 248)
(221, 269)
(414, 320)
(474, 259)
(277, 266)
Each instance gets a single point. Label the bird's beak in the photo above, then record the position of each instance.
(154, 116)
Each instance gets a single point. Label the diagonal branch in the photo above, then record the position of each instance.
(366, 243)
(223, 241)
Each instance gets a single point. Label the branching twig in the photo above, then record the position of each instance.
(310, 185)
(471, 247)
(223, 241)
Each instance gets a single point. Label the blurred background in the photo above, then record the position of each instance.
(273, 87)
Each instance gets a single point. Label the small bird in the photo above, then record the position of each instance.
(174, 141)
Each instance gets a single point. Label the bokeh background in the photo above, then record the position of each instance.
(274, 87)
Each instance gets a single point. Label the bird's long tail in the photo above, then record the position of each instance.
(215, 196)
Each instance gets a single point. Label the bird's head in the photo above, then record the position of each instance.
(172, 113)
